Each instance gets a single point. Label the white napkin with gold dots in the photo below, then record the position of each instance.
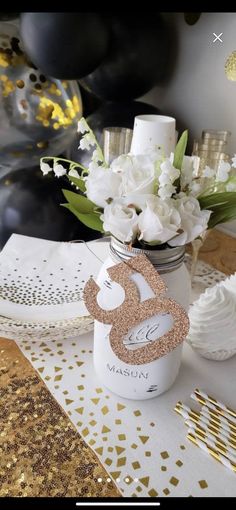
(43, 280)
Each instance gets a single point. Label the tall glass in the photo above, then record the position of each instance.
(116, 141)
(208, 134)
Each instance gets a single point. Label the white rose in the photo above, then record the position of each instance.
(137, 201)
(101, 185)
(122, 163)
(120, 220)
(159, 221)
(193, 220)
(137, 172)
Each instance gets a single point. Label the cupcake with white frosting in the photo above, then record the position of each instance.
(212, 317)
(230, 283)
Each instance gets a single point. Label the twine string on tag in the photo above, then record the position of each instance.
(93, 253)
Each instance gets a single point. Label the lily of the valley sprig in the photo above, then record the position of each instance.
(146, 198)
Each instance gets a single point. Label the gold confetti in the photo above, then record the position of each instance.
(121, 461)
(174, 481)
(105, 410)
(166, 491)
(20, 84)
(121, 437)
(165, 455)
(153, 493)
(136, 465)
(144, 481)
(203, 484)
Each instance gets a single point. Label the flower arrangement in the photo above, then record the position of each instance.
(147, 199)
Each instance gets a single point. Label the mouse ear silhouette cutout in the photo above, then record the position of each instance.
(132, 312)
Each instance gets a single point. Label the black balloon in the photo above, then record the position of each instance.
(109, 114)
(138, 58)
(30, 205)
(65, 45)
(5, 16)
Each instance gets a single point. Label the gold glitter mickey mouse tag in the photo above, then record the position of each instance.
(133, 312)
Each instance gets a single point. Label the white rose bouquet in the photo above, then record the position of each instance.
(147, 199)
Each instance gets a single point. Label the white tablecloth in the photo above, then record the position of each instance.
(142, 443)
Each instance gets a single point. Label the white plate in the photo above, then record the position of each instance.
(61, 330)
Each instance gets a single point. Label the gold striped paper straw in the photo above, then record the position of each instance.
(205, 411)
(206, 405)
(215, 412)
(213, 443)
(221, 408)
(195, 416)
(211, 451)
(212, 433)
(206, 416)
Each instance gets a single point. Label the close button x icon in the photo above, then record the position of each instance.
(217, 37)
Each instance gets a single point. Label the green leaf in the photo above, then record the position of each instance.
(180, 150)
(222, 205)
(91, 220)
(79, 202)
(78, 182)
(223, 215)
(217, 199)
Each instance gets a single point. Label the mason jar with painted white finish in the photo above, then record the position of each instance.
(140, 382)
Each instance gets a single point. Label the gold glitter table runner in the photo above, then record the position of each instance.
(41, 453)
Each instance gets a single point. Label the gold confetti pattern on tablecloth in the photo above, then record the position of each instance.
(41, 454)
(125, 441)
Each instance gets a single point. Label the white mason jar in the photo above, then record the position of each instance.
(140, 382)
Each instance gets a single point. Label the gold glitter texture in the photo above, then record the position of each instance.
(41, 453)
(230, 66)
(132, 312)
(7, 85)
(51, 110)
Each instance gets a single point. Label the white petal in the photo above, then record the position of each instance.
(46, 168)
(59, 170)
(74, 173)
(82, 126)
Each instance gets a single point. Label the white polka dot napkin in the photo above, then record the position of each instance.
(43, 280)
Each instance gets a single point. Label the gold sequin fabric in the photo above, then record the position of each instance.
(41, 453)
